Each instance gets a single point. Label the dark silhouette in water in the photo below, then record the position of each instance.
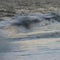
(26, 23)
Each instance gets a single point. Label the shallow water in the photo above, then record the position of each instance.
(41, 42)
(35, 49)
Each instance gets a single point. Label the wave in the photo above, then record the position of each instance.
(19, 26)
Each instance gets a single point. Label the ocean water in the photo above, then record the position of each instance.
(40, 42)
